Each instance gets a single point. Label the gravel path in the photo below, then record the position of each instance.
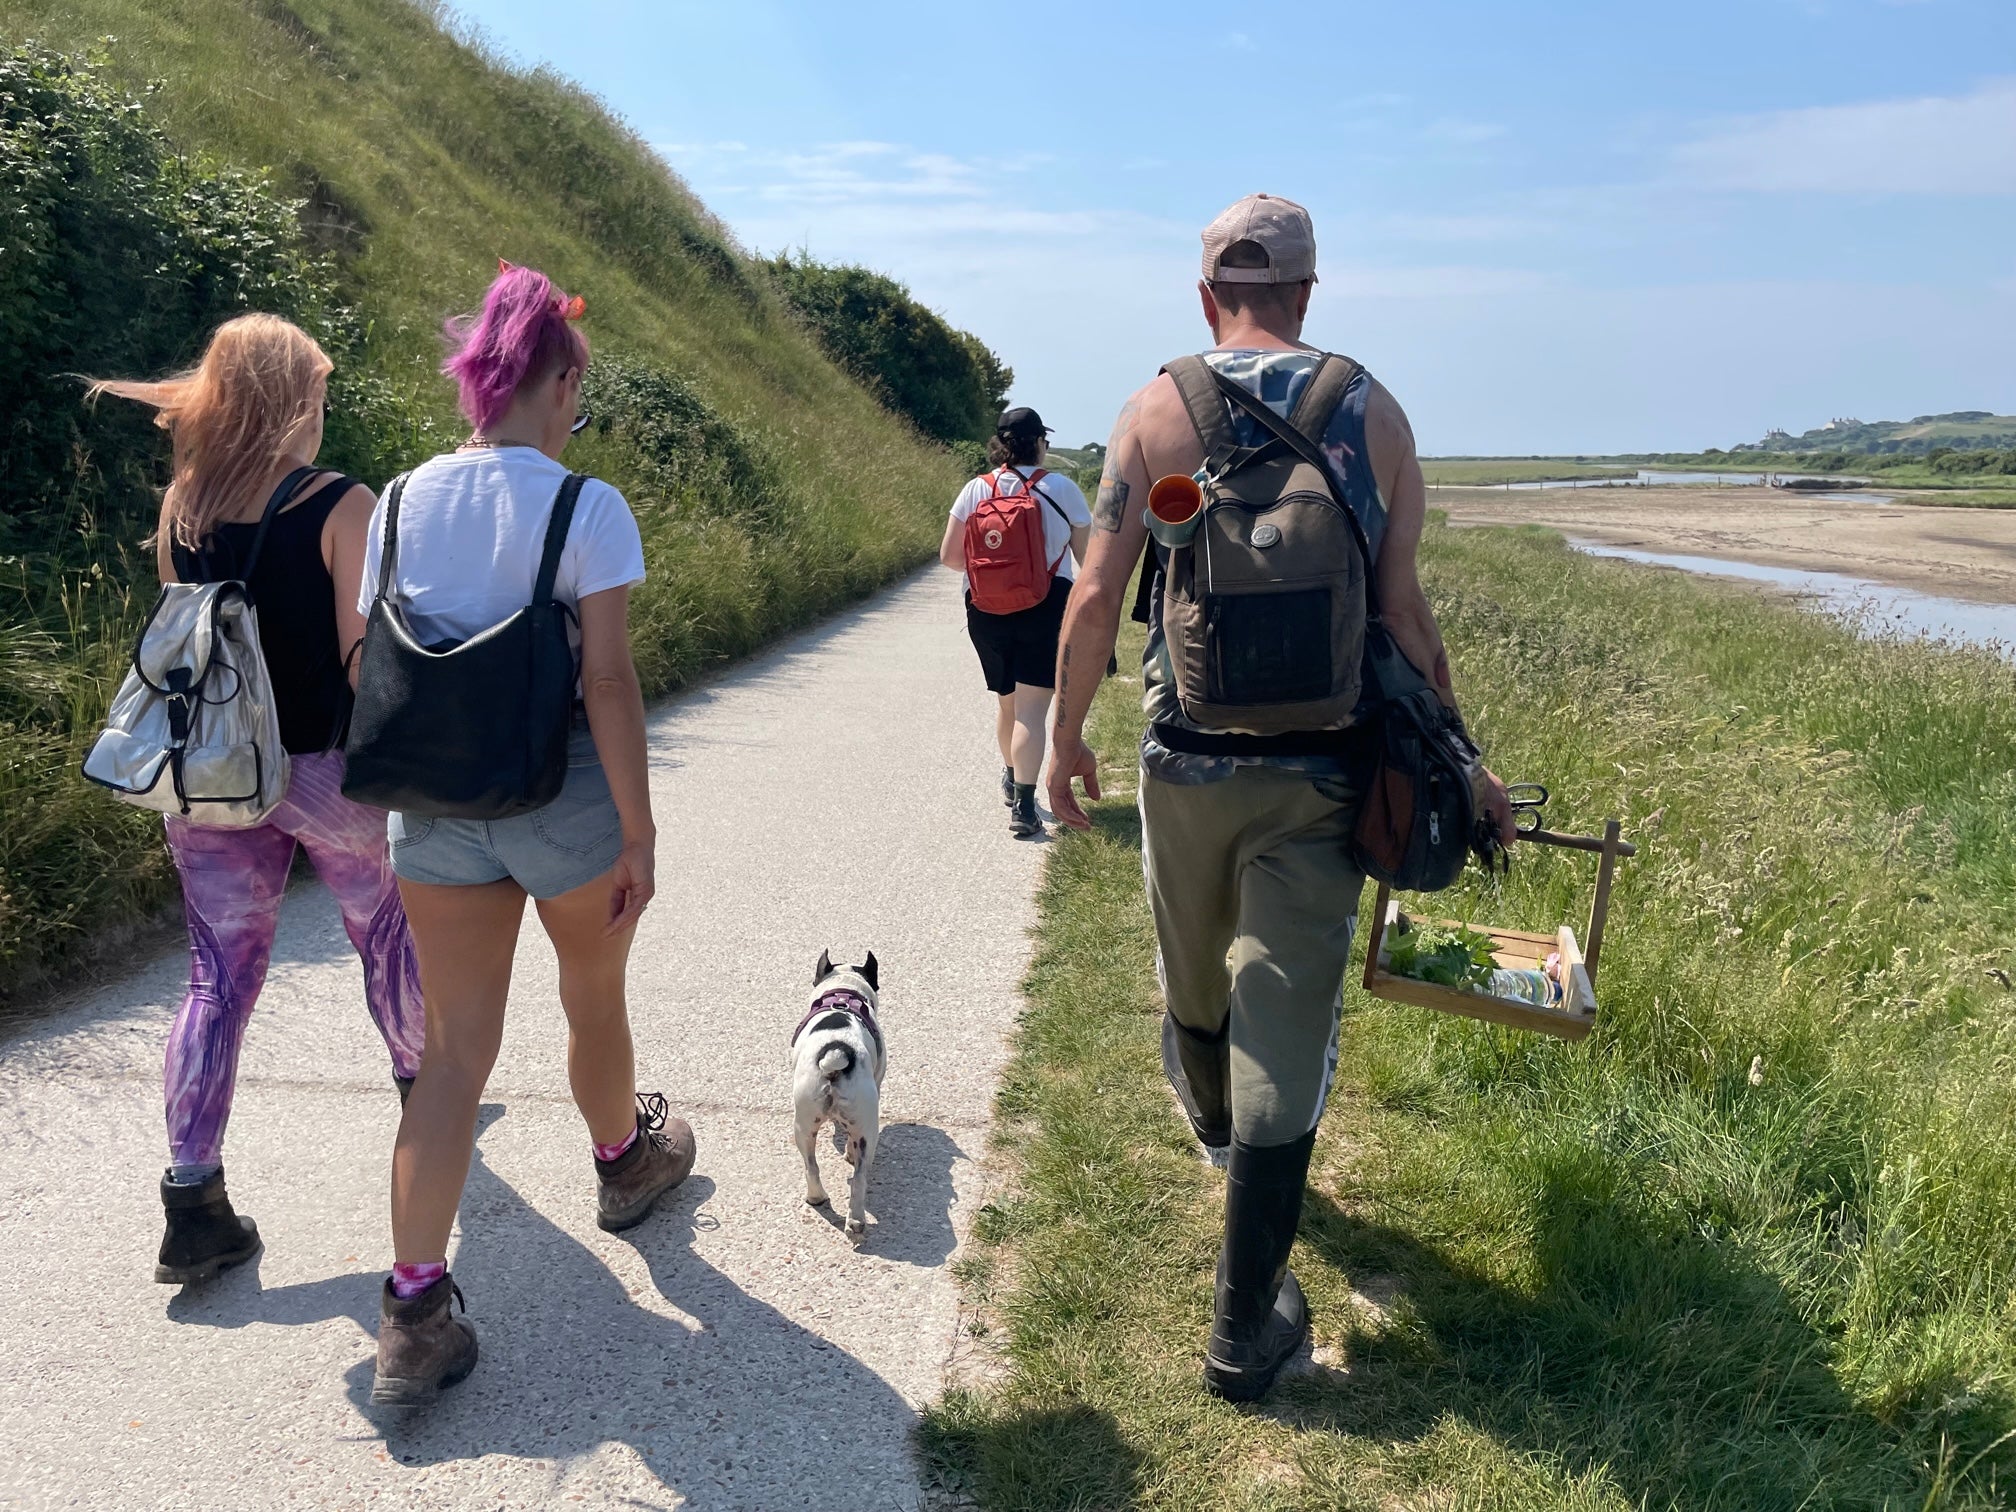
(733, 1352)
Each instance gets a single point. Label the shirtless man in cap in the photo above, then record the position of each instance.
(1246, 851)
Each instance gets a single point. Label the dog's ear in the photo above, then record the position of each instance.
(824, 969)
(868, 970)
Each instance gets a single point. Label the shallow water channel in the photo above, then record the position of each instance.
(1658, 477)
(1876, 608)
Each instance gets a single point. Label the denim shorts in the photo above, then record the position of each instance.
(550, 851)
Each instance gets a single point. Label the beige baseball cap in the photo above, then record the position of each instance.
(1279, 225)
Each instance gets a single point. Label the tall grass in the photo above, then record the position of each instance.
(423, 158)
(1751, 1246)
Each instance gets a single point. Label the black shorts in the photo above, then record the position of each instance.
(1020, 647)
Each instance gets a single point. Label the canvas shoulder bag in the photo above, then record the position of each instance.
(194, 729)
(472, 729)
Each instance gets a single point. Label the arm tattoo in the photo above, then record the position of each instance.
(1064, 674)
(1111, 510)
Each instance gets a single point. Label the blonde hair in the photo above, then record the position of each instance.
(232, 417)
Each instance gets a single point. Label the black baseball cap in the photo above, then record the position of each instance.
(1021, 421)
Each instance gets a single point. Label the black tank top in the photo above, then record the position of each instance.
(296, 599)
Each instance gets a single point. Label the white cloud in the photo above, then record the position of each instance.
(1241, 42)
(831, 173)
(1950, 144)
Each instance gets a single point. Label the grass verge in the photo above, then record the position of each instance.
(1751, 1246)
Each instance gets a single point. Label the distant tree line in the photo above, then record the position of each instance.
(1952, 460)
(945, 381)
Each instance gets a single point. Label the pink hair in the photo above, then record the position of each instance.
(522, 335)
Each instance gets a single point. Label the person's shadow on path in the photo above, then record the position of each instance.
(732, 1405)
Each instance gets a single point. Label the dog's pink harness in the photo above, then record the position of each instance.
(841, 1000)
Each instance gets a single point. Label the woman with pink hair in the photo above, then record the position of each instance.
(472, 526)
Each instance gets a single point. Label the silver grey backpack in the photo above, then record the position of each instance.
(194, 730)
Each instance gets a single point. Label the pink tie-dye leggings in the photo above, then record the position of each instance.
(232, 883)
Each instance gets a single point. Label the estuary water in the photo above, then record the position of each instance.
(1877, 608)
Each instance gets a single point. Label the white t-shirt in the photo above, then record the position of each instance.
(472, 527)
(1056, 533)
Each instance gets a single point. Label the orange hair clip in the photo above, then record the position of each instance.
(573, 309)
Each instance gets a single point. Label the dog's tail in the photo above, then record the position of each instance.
(835, 1061)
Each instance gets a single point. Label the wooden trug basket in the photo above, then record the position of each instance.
(1514, 948)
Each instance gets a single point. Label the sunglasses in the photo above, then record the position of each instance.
(580, 423)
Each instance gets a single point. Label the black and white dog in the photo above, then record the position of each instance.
(837, 1061)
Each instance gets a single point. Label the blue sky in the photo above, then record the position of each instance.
(1552, 226)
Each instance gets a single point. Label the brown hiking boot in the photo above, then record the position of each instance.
(204, 1233)
(422, 1346)
(657, 1161)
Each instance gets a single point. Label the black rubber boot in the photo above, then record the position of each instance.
(1261, 1319)
(1023, 820)
(204, 1234)
(1199, 1067)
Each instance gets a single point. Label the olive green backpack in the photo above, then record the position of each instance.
(1263, 610)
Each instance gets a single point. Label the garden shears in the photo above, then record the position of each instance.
(1527, 799)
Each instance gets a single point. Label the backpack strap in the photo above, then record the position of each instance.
(1029, 487)
(284, 494)
(1197, 382)
(1309, 451)
(388, 555)
(556, 538)
(1323, 393)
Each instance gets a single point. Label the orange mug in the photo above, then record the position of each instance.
(1174, 505)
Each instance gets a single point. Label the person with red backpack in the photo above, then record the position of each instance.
(1017, 534)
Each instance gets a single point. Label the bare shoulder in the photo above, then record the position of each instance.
(1158, 402)
(1167, 439)
(353, 510)
(1384, 418)
(357, 497)
(1389, 446)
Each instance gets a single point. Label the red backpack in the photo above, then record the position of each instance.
(1007, 569)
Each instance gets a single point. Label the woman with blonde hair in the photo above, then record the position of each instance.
(246, 424)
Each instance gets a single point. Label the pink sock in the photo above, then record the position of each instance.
(411, 1280)
(610, 1152)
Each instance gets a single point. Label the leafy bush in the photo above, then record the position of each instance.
(119, 257)
(944, 381)
(684, 450)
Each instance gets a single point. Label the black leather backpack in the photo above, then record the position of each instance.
(473, 729)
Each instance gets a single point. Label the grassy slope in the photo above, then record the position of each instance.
(1632, 1273)
(428, 161)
